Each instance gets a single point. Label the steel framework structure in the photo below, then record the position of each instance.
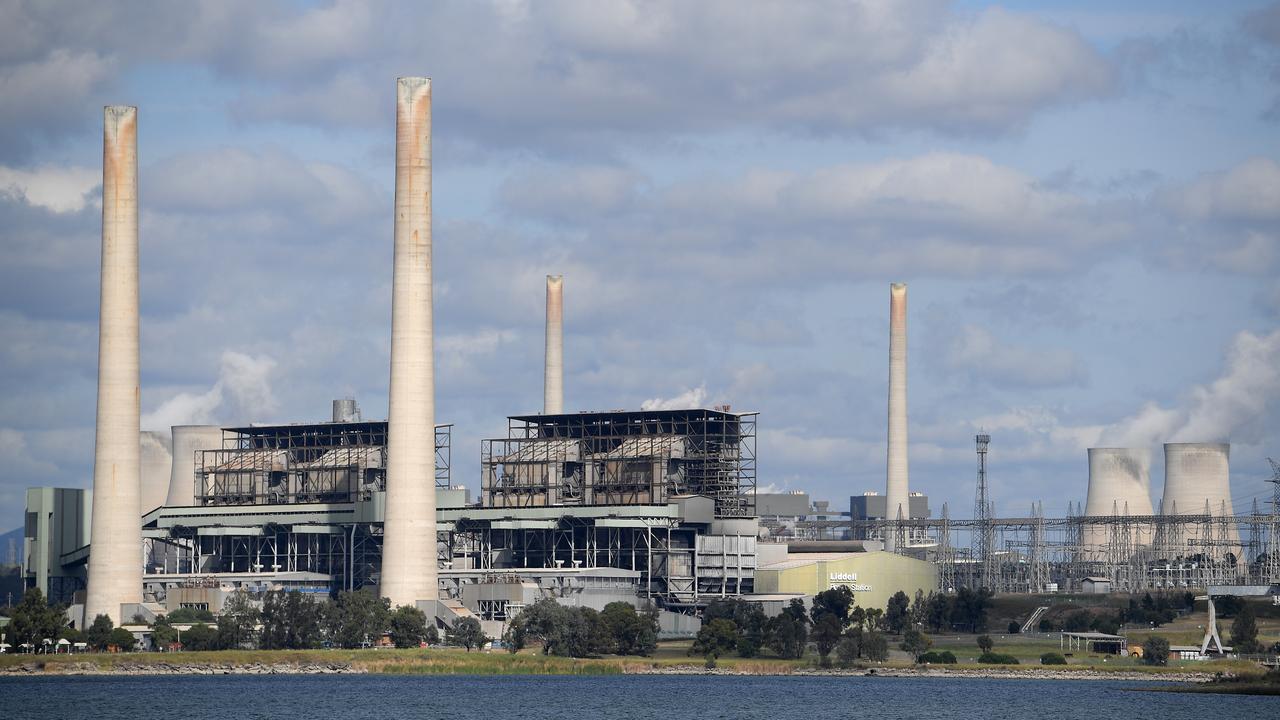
(303, 463)
(623, 458)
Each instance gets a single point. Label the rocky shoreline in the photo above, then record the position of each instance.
(974, 673)
(180, 668)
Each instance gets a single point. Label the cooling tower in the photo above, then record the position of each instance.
(1119, 483)
(409, 543)
(156, 465)
(115, 560)
(896, 492)
(553, 373)
(187, 441)
(1195, 473)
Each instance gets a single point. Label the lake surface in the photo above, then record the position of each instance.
(381, 697)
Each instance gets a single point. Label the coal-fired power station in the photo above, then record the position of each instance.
(656, 507)
(115, 570)
(408, 554)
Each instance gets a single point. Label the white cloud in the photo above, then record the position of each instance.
(1231, 408)
(242, 394)
(689, 398)
(60, 189)
(1248, 191)
(17, 459)
(980, 353)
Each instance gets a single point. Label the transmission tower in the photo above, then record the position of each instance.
(983, 552)
(1271, 568)
(946, 556)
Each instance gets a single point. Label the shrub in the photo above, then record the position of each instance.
(1014, 627)
(1046, 625)
(946, 657)
(990, 658)
(1155, 651)
(1052, 658)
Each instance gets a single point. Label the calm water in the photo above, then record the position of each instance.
(590, 698)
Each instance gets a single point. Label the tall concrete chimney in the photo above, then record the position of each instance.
(409, 570)
(553, 374)
(115, 556)
(896, 466)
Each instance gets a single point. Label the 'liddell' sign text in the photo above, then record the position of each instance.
(848, 579)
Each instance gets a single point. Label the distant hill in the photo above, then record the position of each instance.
(15, 535)
(10, 575)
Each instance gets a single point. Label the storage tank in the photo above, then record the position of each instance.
(187, 441)
(156, 467)
(1119, 482)
(1195, 473)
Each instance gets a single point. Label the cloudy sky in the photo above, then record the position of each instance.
(1084, 199)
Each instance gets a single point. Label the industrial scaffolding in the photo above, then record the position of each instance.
(623, 458)
(303, 463)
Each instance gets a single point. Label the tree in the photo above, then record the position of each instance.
(826, 634)
(715, 638)
(858, 617)
(969, 609)
(938, 612)
(99, 632)
(408, 626)
(1014, 627)
(466, 633)
(163, 634)
(875, 619)
(1244, 631)
(191, 615)
(200, 637)
(985, 643)
(748, 617)
(237, 621)
(356, 618)
(897, 615)
(849, 647)
(875, 647)
(837, 601)
(787, 636)
(33, 620)
(599, 639)
(634, 633)
(1155, 651)
(121, 639)
(295, 621)
(915, 643)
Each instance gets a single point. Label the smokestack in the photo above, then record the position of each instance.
(115, 558)
(553, 374)
(896, 465)
(187, 441)
(409, 568)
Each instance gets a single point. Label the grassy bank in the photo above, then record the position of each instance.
(435, 661)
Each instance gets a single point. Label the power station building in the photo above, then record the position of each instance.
(651, 505)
